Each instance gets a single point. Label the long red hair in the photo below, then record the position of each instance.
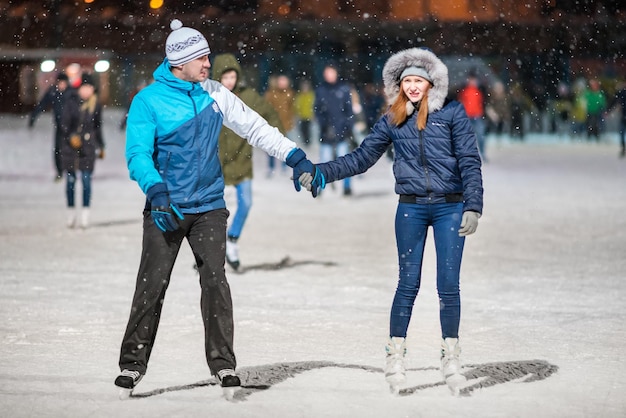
(399, 114)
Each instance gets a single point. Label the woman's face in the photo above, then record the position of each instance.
(415, 87)
(229, 79)
(85, 91)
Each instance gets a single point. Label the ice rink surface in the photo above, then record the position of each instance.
(543, 289)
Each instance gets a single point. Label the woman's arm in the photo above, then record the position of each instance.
(362, 158)
(468, 159)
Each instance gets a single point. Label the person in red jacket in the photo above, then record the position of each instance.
(473, 100)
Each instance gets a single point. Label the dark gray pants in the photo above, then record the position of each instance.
(206, 234)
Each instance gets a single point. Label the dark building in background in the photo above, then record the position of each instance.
(538, 42)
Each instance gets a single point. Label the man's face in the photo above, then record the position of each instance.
(330, 75)
(282, 82)
(196, 70)
(229, 79)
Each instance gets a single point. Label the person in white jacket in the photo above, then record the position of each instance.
(172, 153)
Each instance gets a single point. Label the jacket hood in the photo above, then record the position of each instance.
(223, 63)
(417, 57)
(163, 74)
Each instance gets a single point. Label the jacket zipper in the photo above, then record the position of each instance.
(195, 136)
(424, 163)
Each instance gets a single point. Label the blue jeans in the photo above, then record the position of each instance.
(71, 187)
(244, 203)
(412, 222)
(327, 153)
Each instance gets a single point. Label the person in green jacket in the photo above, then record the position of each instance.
(305, 98)
(235, 152)
(596, 105)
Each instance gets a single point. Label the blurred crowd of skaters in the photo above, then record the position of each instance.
(578, 111)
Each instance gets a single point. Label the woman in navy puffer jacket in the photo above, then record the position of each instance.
(438, 177)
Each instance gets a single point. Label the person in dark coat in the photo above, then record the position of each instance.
(82, 143)
(620, 102)
(334, 114)
(55, 98)
(437, 166)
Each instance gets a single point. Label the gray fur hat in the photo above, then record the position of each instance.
(420, 58)
(418, 71)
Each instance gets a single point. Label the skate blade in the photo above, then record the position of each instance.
(125, 393)
(229, 392)
(394, 390)
(455, 383)
(395, 381)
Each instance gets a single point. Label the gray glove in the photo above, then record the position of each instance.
(469, 223)
(306, 179)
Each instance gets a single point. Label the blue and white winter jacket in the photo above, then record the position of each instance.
(172, 137)
(433, 164)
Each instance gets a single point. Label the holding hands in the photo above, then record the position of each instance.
(305, 169)
(313, 182)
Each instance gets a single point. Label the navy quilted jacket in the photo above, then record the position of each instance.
(442, 159)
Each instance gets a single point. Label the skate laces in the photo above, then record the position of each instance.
(133, 374)
(225, 372)
(450, 348)
(450, 355)
(396, 351)
(396, 346)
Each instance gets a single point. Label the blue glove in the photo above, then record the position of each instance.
(314, 183)
(162, 209)
(300, 164)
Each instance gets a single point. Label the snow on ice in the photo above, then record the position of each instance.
(543, 284)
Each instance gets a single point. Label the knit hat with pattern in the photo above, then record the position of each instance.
(185, 44)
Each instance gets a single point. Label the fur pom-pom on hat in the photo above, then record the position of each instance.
(184, 44)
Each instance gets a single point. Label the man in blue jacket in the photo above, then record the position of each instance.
(172, 153)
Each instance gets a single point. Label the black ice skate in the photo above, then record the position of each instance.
(229, 381)
(127, 381)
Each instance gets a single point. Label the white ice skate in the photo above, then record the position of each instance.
(71, 217)
(451, 365)
(395, 371)
(230, 382)
(232, 253)
(84, 218)
(127, 381)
